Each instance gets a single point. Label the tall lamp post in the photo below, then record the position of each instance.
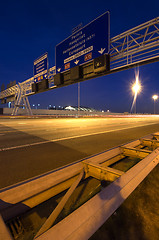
(155, 97)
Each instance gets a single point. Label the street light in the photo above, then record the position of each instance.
(155, 97)
(136, 88)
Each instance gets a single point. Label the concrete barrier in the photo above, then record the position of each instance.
(8, 111)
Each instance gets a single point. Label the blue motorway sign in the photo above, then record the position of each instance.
(41, 68)
(84, 45)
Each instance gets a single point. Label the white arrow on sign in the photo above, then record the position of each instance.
(59, 69)
(102, 50)
(77, 61)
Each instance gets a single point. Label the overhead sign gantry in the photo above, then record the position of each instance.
(135, 47)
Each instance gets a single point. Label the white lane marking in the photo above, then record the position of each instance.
(68, 138)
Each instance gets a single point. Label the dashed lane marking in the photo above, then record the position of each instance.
(68, 138)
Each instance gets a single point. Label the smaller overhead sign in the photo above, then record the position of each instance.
(84, 44)
(41, 68)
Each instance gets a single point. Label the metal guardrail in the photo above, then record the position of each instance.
(21, 197)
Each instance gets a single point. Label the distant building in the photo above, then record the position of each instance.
(87, 109)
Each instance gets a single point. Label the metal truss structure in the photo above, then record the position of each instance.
(135, 47)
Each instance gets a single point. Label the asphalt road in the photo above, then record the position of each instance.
(29, 147)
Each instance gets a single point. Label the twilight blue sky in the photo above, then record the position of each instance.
(29, 28)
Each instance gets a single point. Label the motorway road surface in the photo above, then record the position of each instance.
(29, 147)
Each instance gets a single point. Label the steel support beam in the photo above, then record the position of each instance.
(134, 152)
(101, 173)
(156, 135)
(150, 143)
